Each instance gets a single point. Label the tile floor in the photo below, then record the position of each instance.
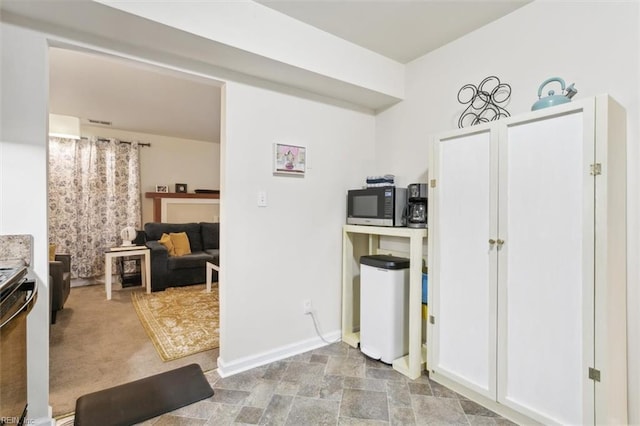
(333, 385)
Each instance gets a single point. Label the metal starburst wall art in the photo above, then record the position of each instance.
(484, 101)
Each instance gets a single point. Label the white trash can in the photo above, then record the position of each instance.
(384, 307)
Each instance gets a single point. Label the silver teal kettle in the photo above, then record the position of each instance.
(553, 99)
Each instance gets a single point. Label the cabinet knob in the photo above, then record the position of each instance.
(500, 242)
(492, 241)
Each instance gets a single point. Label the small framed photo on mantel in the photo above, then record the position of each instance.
(289, 159)
(162, 188)
(181, 188)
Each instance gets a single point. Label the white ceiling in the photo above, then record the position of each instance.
(150, 100)
(133, 96)
(402, 30)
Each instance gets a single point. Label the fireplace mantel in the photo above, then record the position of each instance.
(159, 196)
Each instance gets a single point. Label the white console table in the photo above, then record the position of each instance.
(119, 252)
(411, 364)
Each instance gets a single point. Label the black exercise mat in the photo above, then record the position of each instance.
(143, 399)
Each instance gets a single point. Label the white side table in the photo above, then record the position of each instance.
(115, 252)
(210, 268)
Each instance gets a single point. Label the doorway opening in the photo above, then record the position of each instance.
(97, 343)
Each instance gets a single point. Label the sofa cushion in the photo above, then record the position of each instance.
(180, 243)
(193, 260)
(52, 252)
(154, 231)
(165, 240)
(215, 255)
(210, 235)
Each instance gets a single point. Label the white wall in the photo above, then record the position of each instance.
(274, 257)
(594, 44)
(169, 161)
(23, 183)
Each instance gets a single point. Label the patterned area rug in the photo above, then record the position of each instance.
(180, 320)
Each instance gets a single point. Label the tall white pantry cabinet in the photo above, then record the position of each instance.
(527, 265)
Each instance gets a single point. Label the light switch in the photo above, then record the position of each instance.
(262, 199)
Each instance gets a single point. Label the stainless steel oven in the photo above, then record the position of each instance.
(17, 297)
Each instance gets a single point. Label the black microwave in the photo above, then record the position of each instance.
(378, 206)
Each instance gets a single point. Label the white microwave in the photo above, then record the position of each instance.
(377, 206)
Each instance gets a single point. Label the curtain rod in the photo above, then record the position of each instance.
(127, 142)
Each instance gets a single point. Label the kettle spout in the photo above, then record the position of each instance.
(571, 91)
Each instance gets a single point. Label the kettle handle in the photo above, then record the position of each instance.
(549, 80)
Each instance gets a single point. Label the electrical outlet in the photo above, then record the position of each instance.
(262, 199)
(306, 306)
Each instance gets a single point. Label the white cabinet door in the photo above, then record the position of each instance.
(528, 264)
(464, 206)
(546, 279)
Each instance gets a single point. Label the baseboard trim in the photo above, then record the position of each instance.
(83, 282)
(230, 368)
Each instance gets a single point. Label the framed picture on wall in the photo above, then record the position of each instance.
(289, 159)
(181, 187)
(162, 188)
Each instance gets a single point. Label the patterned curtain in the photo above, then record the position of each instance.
(94, 192)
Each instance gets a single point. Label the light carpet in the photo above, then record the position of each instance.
(180, 321)
(98, 343)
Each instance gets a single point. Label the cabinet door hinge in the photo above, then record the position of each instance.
(432, 319)
(594, 374)
(433, 183)
(596, 169)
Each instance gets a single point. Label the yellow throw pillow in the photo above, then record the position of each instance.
(165, 240)
(52, 252)
(180, 243)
